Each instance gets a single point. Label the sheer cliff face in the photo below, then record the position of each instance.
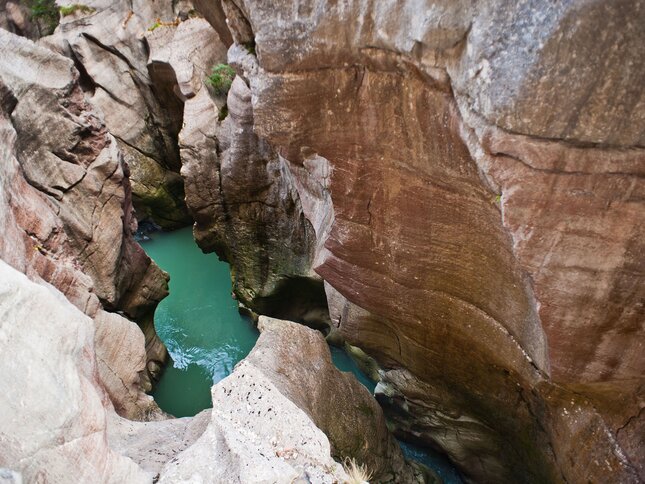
(108, 47)
(475, 182)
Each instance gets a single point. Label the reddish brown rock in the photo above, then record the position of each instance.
(502, 272)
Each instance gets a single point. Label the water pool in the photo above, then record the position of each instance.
(206, 336)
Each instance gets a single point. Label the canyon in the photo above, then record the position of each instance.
(451, 191)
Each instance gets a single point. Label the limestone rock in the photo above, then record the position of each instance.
(53, 420)
(65, 201)
(121, 361)
(297, 361)
(581, 60)
(107, 45)
(241, 195)
(256, 434)
(61, 427)
(152, 444)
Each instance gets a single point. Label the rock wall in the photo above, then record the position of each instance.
(475, 188)
(65, 203)
(68, 221)
(109, 47)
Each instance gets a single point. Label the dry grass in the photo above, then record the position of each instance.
(358, 474)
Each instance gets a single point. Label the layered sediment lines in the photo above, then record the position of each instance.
(478, 214)
(463, 181)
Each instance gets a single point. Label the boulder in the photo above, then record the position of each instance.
(255, 434)
(297, 360)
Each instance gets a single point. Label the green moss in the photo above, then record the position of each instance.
(66, 10)
(250, 47)
(154, 26)
(223, 112)
(221, 78)
(44, 13)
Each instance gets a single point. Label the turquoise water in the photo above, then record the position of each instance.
(199, 323)
(439, 463)
(426, 456)
(206, 336)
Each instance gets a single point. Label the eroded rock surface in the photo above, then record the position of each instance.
(477, 210)
(54, 418)
(61, 426)
(65, 203)
(298, 362)
(246, 207)
(108, 45)
(255, 435)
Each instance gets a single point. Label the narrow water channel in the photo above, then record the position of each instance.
(206, 336)
(199, 323)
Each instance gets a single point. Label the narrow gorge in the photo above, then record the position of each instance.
(317, 241)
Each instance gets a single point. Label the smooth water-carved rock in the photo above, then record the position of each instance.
(244, 205)
(122, 364)
(501, 270)
(54, 417)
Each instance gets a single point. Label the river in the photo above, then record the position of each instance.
(206, 336)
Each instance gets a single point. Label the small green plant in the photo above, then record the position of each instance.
(160, 23)
(357, 473)
(221, 78)
(250, 47)
(44, 14)
(66, 10)
(223, 112)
